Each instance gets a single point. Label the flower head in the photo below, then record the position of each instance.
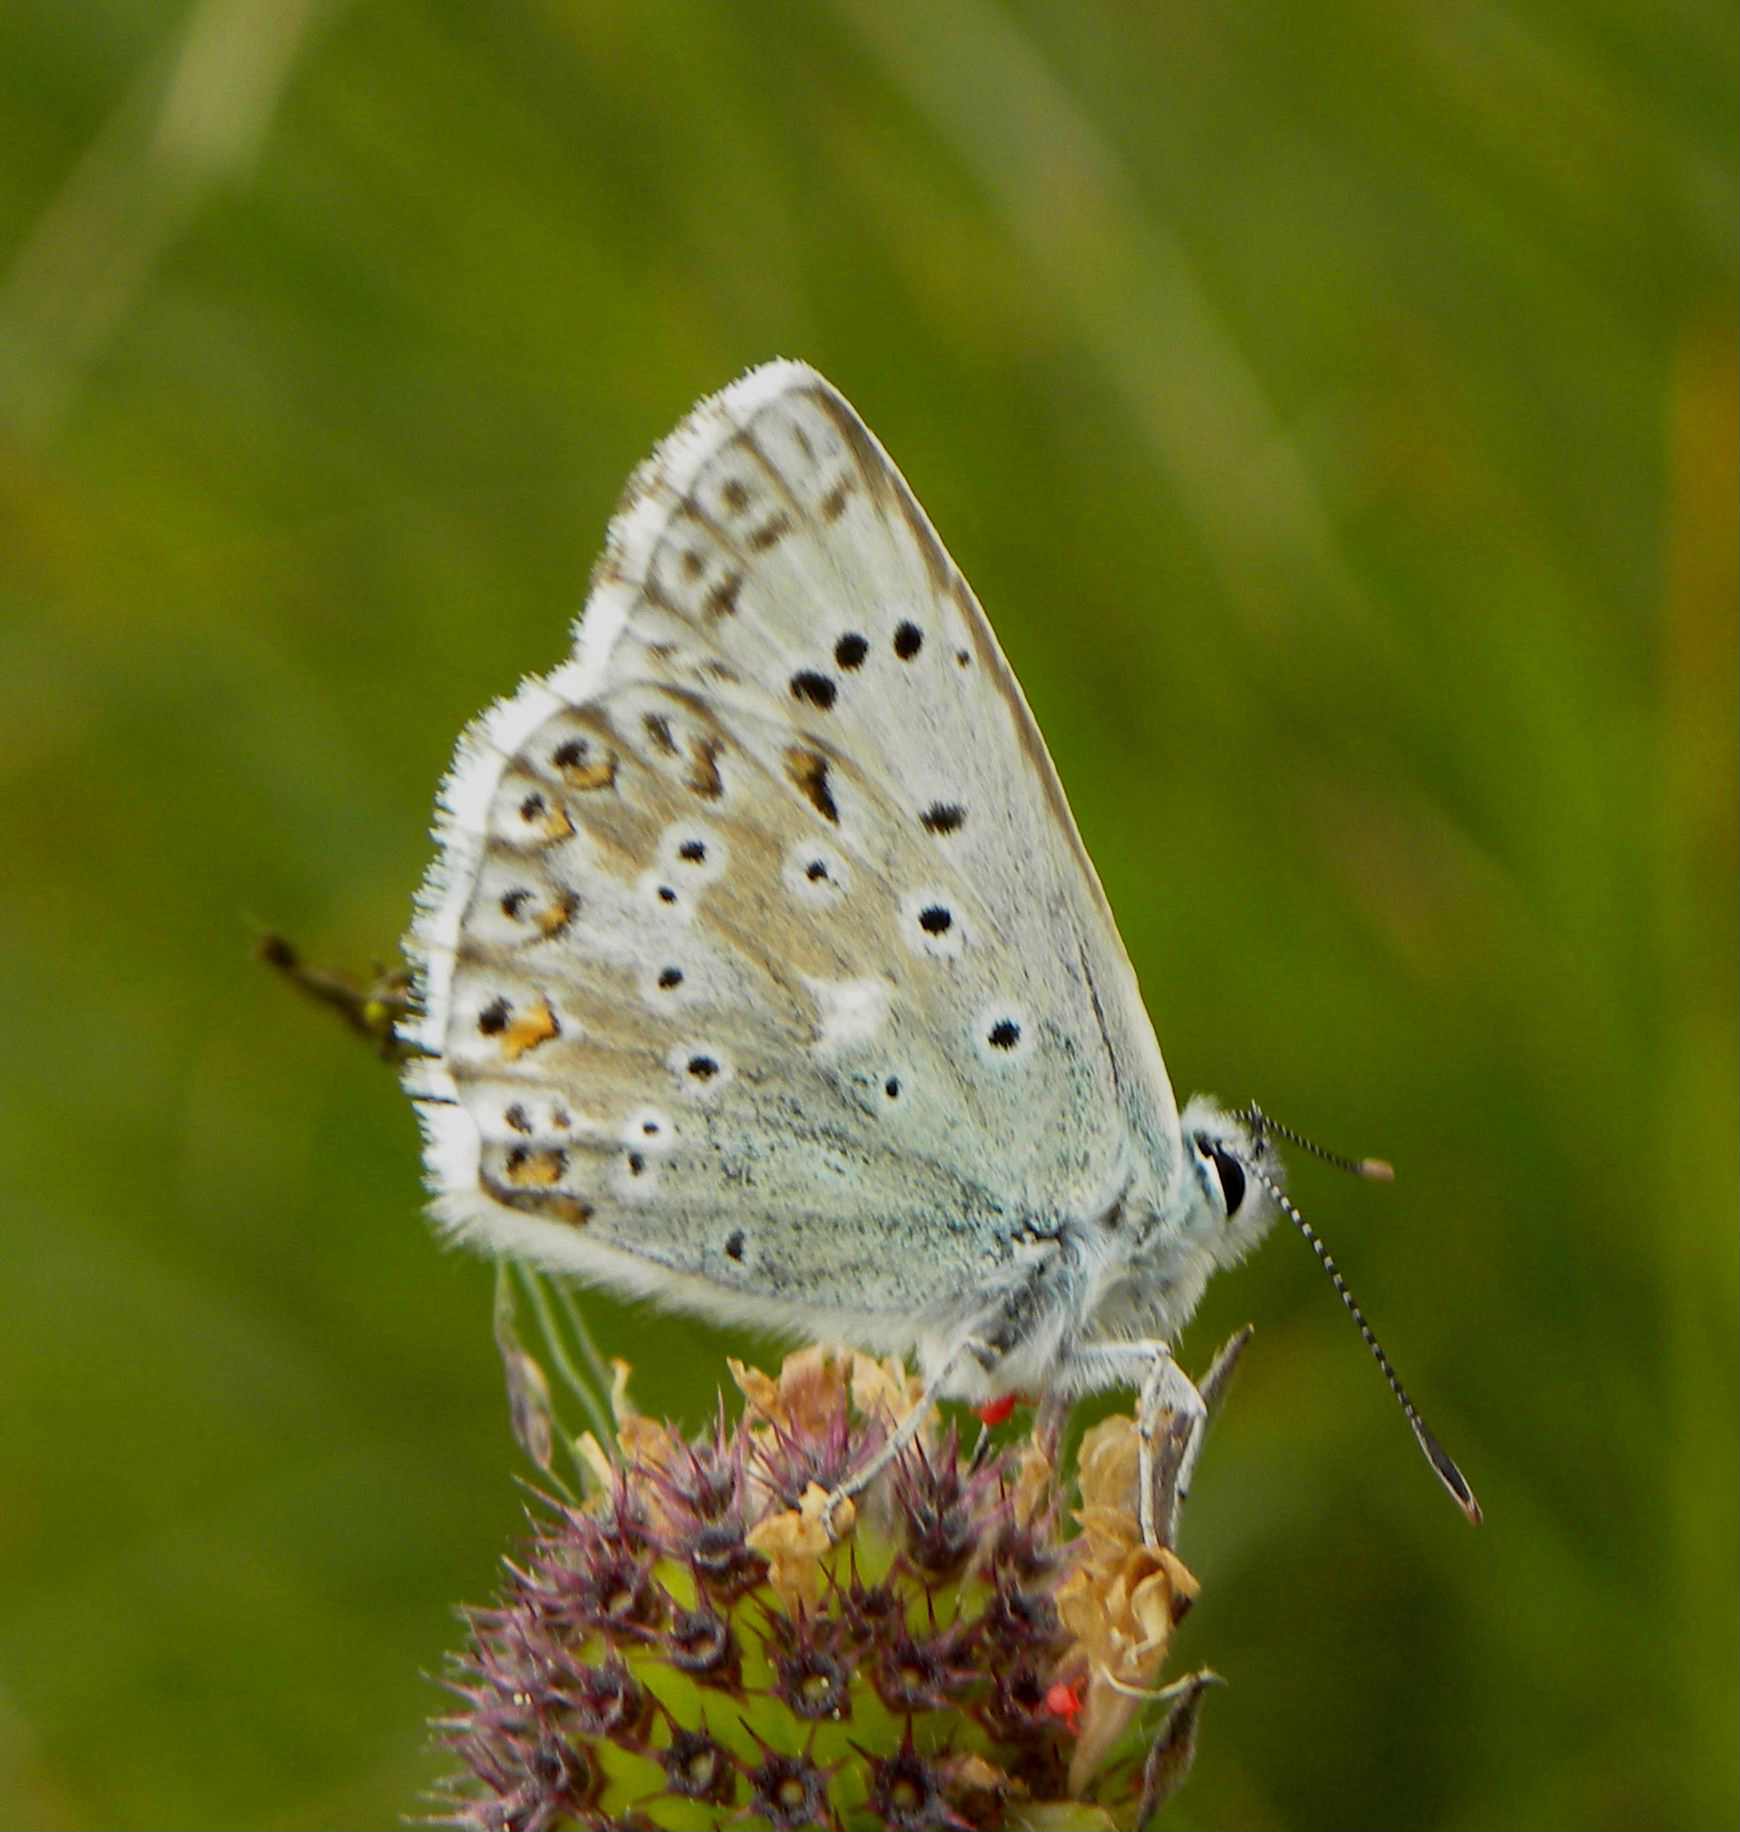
(705, 1640)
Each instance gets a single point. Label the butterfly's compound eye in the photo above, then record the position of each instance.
(1232, 1180)
(1227, 1168)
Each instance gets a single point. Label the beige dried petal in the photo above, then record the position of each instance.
(759, 1389)
(1145, 1597)
(1182, 1579)
(786, 1543)
(884, 1388)
(1081, 1607)
(1105, 1716)
(793, 1543)
(1151, 1610)
(968, 1770)
(1115, 1683)
(1107, 1712)
(835, 1520)
(1035, 1482)
(596, 1459)
(622, 1408)
(1109, 1534)
(648, 1441)
(1108, 1465)
(812, 1389)
(1120, 1608)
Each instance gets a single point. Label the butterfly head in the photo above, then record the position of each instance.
(1236, 1183)
(1232, 1169)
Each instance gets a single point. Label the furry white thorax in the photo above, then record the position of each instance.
(1132, 1274)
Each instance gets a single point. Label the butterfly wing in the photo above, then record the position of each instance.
(762, 968)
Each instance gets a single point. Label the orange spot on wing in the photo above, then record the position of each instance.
(536, 1169)
(537, 1024)
(598, 773)
(556, 915)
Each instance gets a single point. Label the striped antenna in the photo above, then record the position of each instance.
(1375, 1170)
(1443, 1465)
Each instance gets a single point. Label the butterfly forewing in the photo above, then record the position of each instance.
(763, 965)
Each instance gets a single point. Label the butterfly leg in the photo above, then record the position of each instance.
(1168, 1389)
(903, 1433)
(1163, 1390)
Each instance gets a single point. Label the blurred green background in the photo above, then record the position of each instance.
(1335, 408)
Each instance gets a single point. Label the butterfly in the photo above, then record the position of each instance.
(762, 971)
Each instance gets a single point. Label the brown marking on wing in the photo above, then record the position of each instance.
(859, 440)
(689, 509)
(548, 820)
(721, 601)
(808, 771)
(747, 443)
(770, 533)
(887, 487)
(584, 765)
(557, 1205)
(703, 776)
